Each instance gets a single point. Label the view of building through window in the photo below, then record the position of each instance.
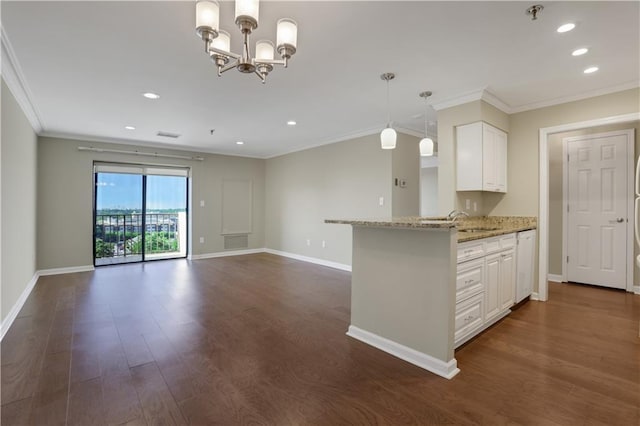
(139, 217)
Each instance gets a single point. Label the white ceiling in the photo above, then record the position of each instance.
(85, 65)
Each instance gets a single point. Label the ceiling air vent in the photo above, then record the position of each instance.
(168, 134)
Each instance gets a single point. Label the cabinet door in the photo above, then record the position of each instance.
(507, 280)
(489, 153)
(492, 286)
(500, 142)
(525, 259)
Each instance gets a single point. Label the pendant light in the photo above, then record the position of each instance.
(388, 135)
(426, 144)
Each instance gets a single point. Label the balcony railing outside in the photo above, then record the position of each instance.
(118, 237)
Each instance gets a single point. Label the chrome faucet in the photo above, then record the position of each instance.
(455, 214)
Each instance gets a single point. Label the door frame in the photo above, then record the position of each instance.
(630, 133)
(543, 191)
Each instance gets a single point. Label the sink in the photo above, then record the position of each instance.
(478, 229)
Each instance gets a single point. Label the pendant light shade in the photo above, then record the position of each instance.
(426, 147)
(388, 138)
(426, 144)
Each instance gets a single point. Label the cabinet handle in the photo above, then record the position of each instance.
(468, 281)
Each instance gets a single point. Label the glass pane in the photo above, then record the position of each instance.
(166, 217)
(118, 222)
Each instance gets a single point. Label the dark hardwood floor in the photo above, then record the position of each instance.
(260, 339)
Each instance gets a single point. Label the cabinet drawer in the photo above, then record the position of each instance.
(470, 250)
(469, 316)
(507, 241)
(470, 279)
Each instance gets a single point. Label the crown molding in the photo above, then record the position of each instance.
(476, 95)
(581, 96)
(144, 144)
(14, 77)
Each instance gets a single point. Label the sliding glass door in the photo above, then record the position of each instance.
(140, 213)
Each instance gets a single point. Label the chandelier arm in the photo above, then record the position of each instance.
(271, 62)
(263, 78)
(224, 53)
(229, 67)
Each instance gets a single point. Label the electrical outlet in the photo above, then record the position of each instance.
(308, 242)
(201, 240)
(467, 204)
(475, 206)
(201, 203)
(324, 244)
(381, 201)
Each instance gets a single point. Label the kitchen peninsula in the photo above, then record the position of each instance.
(405, 285)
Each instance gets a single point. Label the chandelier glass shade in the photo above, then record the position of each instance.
(217, 43)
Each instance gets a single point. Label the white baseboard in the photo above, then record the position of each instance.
(315, 260)
(534, 296)
(636, 289)
(15, 310)
(555, 278)
(444, 369)
(224, 254)
(68, 270)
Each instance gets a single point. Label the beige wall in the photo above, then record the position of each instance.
(65, 196)
(429, 191)
(406, 165)
(18, 182)
(342, 180)
(556, 163)
(522, 196)
(448, 119)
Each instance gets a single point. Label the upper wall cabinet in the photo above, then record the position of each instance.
(481, 158)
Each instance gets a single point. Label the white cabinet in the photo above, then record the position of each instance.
(525, 264)
(481, 158)
(485, 284)
(507, 284)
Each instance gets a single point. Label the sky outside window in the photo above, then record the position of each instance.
(124, 191)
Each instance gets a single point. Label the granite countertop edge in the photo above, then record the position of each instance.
(503, 224)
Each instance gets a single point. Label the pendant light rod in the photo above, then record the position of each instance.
(388, 76)
(425, 95)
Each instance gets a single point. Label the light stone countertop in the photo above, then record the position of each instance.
(482, 226)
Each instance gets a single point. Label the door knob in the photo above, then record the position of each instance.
(620, 220)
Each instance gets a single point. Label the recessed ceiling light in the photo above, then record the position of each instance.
(291, 123)
(566, 27)
(151, 95)
(129, 127)
(239, 143)
(580, 52)
(591, 70)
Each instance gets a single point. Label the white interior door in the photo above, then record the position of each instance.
(597, 221)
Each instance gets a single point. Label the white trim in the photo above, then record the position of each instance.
(14, 77)
(543, 187)
(460, 99)
(493, 100)
(636, 289)
(15, 310)
(317, 261)
(555, 278)
(224, 254)
(565, 216)
(444, 369)
(573, 98)
(534, 296)
(67, 270)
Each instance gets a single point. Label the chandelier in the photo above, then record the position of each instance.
(388, 135)
(217, 43)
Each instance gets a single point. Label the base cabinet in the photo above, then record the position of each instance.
(485, 286)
